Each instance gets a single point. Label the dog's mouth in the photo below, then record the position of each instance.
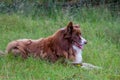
(78, 44)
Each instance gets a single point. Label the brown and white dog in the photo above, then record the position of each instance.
(66, 43)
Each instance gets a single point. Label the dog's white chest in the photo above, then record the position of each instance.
(78, 55)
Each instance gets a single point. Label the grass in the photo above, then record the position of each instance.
(98, 27)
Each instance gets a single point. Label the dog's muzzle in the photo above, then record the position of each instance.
(81, 43)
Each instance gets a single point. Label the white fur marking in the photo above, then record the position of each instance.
(78, 54)
(89, 66)
(82, 40)
(62, 28)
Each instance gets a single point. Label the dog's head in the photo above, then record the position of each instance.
(73, 35)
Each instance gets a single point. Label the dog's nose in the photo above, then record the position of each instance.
(85, 42)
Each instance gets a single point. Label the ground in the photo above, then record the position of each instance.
(98, 27)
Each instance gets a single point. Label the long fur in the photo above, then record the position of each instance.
(51, 48)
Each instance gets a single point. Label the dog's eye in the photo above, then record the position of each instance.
(78, 34)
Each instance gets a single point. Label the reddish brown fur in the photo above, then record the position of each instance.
(50, 48)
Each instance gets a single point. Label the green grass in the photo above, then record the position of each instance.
(100, 29)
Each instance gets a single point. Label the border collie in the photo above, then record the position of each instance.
(65, 43)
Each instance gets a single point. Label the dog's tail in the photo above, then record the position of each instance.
(10, 46)
(1, 52)
(89, 66)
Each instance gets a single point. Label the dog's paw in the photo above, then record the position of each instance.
(89, 66)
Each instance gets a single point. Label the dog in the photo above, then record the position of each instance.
(65, 43)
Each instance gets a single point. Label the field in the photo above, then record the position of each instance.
(101, 30)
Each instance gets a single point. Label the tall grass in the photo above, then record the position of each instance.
(98, 27)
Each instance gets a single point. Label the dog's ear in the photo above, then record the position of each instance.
(69, 30)
(70, 27)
